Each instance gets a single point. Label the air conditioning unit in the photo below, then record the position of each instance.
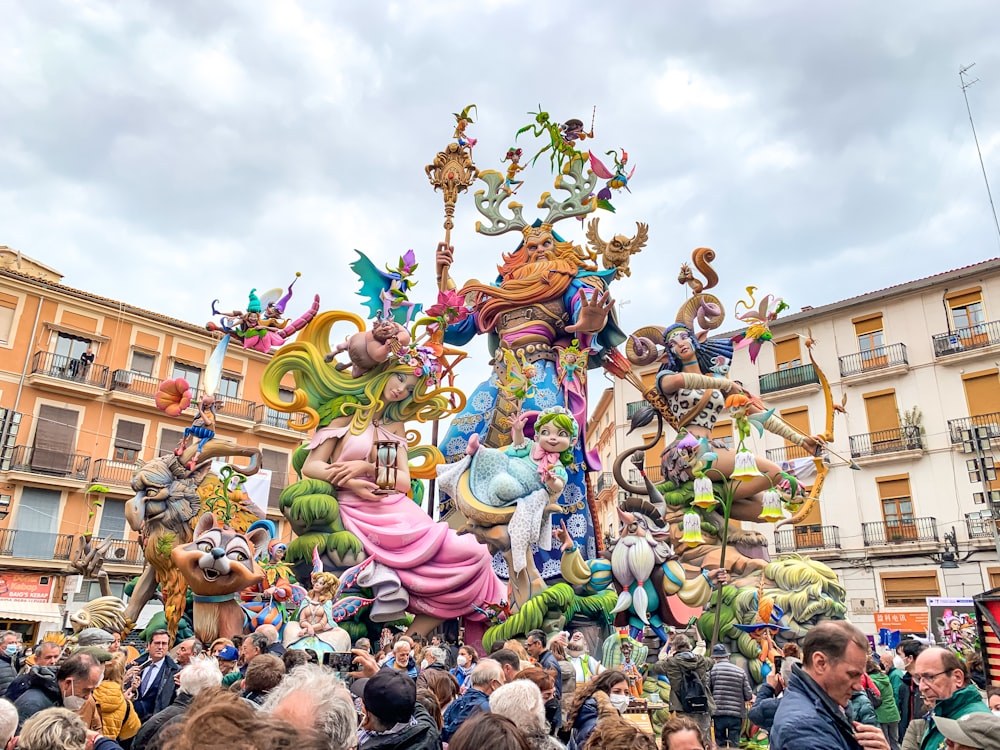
(123, 378)
(117, 553)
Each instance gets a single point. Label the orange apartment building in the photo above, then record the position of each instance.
(66, 425)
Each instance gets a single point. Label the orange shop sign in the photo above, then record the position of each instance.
(913, 621)
(26, 587)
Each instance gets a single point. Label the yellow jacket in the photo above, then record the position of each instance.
(117, 714)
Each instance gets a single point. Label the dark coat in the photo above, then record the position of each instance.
(149, 734)
(808, 718)
(730, 688)
(43, 692)
(8, 671)
(861, 709)
(161, 693)
(675, 666)
(764, 707)
(461, 709)
(422, 734)
(596, 707)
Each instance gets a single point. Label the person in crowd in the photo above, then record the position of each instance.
(977, 671)
(769, 694)
(604, 697)
(944, 681)
(156, 688)
(294, 657)
(509, 661)
(558, 648)
(440, 682)
(253, 645)
(523, 703)
(892, 664)
(8, 659)
(546, 686)
(975, 731)
(619, 734)
(681, 733)
(811, 712)
(731, 691)
(486, 677)
(402, 658)
(185, 650)
(364, 644)
(118, 645)
(273, 641)
(392, 717)
(313, 696)
(688, 674)
(228, 658)
(518, 648)
(914, 708)
(119, 721)
(264, 672)
(70, 687)
(489, 730)
(60, 729)
(199, 676)
(429, 701)
(466, 661)
(535, 645)
(47, 655)
(887, 712)
(218, 644)
(993, 699)
(861, 709)
(434, 657)
(585, 666)
(8, 721)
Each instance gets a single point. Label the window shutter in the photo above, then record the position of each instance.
(277, 463)
(787, 351)
(55, 439)
(169, 439)
(129, 435)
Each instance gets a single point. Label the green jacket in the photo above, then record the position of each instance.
(888, 712)
(964, 701)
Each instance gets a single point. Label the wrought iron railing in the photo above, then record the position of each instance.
(786, 453)
(990, 421)
(35, 545)
(905, 438)
(877, 533)
(807, 537)
(122, 551)
(28, 459)
(793, 377)
(873, 359)
(265, 415)
(979, 525)
(966, 339)
(237, 408)
(654, 472)
(134, 382)
(113, 472)
(606, 480)
(633, 406)
(68, 368)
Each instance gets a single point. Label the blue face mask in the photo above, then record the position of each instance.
(11, 650)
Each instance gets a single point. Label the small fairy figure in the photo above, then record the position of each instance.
(368, 349)
(462, 120)
(572, 131)
(202, 427)
(514, 156)
(572, 368)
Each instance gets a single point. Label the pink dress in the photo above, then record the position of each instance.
(443, 573)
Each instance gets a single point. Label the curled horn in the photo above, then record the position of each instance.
(641, 345)
(647, 488)
(707, 308)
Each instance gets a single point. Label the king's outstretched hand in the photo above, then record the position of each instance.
(594, 311)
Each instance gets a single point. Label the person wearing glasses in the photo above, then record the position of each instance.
(944, 682)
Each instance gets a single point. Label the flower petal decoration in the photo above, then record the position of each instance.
(772, 507)
(173, 396)
(704, 496)
(746, 466)
(692, 529)
(449, 308)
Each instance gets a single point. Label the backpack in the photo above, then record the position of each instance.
(693, 698)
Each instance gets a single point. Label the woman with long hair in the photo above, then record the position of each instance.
(361, 425)
(604, 697)
(487, 730)
(468, 657)
(118, 717)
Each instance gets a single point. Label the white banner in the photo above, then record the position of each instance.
(257, 487)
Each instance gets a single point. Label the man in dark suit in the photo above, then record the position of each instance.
(156, 683)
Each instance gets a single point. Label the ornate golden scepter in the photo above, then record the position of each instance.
(451, 172)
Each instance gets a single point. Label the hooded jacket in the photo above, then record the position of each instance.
(464, 706)
(861, 709)
(808, 718)
(888, 712)
(966, 700)
(674, 668)
(118, 715)
(43, 692)
(420, 734)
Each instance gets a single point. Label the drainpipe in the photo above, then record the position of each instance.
(947, 310)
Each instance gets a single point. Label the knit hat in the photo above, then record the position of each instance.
(974, 730)
(94, 637)
(254, 304)
(390, 696)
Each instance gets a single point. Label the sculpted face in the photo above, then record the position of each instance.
(681, 344)
(539, 247)
(399, 387)
(552, 438)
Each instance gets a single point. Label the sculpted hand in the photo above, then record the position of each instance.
(342, 471)
(562, 536)
(517, 427)
(719, 576)
(443, 259)
(594, 311)
(363, 488)
(814, 444)
(869, 737)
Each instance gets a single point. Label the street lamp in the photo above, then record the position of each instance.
(983, 469)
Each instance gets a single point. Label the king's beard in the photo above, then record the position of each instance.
(632, 559)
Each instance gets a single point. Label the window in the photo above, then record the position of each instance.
(169, 440)
(190, 373)
(142, 362)
(871, 340)
(229, 387)
(128, 441)
(7, 307)
(55, 440)
(277, 463)
(909, 589)
(275, 418)
(994, 574)
(112, 519)
(723, 431)
(882, 412)
(897, 507)
(90, 590)
(787, 353)
(982, 392)
(798, 418)
(71, 347)
(36, 523)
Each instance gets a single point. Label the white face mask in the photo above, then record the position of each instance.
(898, 662)
(996, 711)
(620, 702)
(424, 664)
(71, 701)
(462, 660)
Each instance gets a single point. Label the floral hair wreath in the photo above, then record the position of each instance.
(568, 413)
(423, 360)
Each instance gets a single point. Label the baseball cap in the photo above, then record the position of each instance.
(980, 730)
(228, 653)
(390, 695)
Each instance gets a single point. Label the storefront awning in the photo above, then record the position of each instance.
(12, 609)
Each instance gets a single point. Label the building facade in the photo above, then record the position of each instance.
(916, 368)
(68, 423)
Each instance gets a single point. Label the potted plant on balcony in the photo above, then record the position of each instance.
(912, 425)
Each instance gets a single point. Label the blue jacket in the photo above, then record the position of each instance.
(411, 666)
(765, 706)
(461, 709)
(808, 718)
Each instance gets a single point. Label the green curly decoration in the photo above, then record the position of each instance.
(531, 615)
(310, 505)
(344, 543)
(597, 606)
(300, 549)
(165, 543)
(299, 456)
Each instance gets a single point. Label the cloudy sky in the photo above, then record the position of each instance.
(170, 153)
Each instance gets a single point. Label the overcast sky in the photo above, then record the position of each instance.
(170, 153)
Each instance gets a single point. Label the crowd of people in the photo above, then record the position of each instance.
(830, 692)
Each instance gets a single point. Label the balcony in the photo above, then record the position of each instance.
(874, 363)
(978, 525)
(791, 379)
(35, 545)
(905, 438)
(655, 474)
(122, 552)
(982, 338)
(235, 411)
(115, 475)
(990, 421)
(807, 538)
(633, 406)
(136, 387)
(880, 533)
(278, 423)
(62, 373)
(57, 468)
(786, 453)
(606, 481)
